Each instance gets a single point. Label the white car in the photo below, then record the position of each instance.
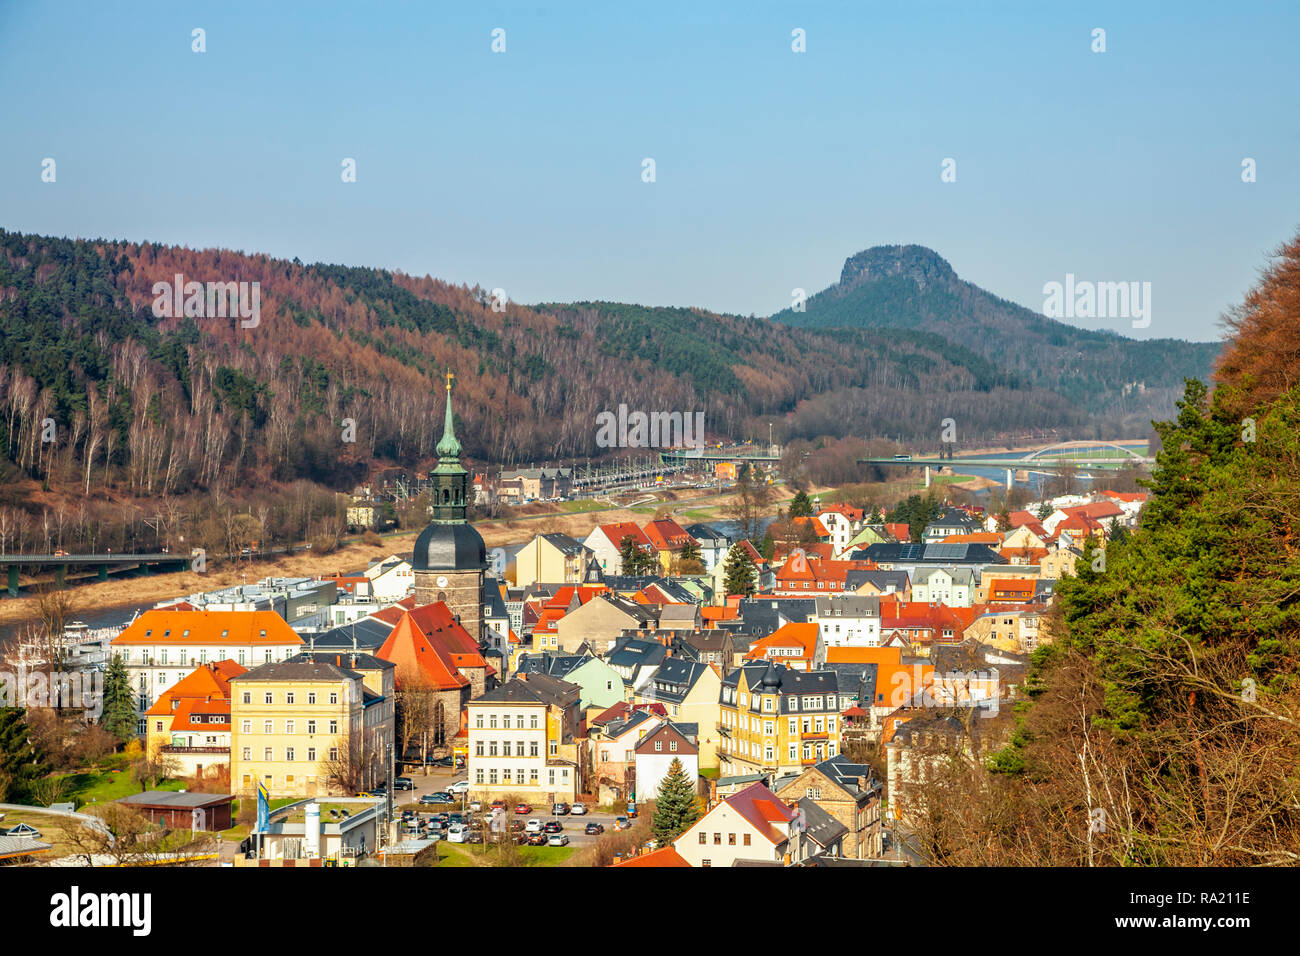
(579, 809)
(460, 786)
(533, 826)
(457, 833)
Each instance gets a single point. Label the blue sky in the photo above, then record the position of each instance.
(522, 170)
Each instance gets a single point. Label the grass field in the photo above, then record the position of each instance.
(468, 854)
(106, 785)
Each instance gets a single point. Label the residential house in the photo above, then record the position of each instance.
(668, 538)
(847, 620)
(751, 825)
(953, 586)
(522, 740)
(313, 725)
(190, 722)
(554, 559)
(606, 543)
(777, 720)
(796, 645)
(598, 623)
(162, 646)
(714, 544)
(655, 752)
(690, 691)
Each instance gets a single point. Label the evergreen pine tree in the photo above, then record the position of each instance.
(118, 717)
(739, 573)
(801, 506)
(20, 762)
(676, 806)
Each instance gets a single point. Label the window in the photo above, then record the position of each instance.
(505, 775)
(248, 753)
(550, 777)
(746, 840)
(532, 722)
(492, 748)
(248, 698)
(794, 726)
(478, 721)
(246, 727)
(659, 744)
(334, 726)
(334, 697)
(672, 745)
(704, 838)
(288, 726)
(288, 697)
(311, 726)
(717, 839)
(505, 748)
(519, 748)
(268, 698)
(731, 839)
(157, 725)
(288, 753)
(553, 748)
(266, 753)
(311, 754)
(311, 698)
(519, 722)
(334, 753)
(492, 721)
(478, 749)
(268, 727)
(532, 748)
(268, 657)
(478, 775)
(532, 777)
(492, 776)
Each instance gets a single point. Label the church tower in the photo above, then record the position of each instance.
(449, 559)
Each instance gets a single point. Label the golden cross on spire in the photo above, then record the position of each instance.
(450, 376)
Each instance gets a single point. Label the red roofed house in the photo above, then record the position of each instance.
(606, 542)
(916, 625)
(190, 722)
(162, 646)
(432, 651)
(805, 576)
(752, 825)
(667, 537)
(797, 645)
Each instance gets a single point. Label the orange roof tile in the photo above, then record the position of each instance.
(664, 856)
(166, 626)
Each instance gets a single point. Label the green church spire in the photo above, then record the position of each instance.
(448, 447)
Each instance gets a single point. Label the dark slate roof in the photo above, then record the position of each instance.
(493, 605)
(298, 669)
(548, 662)
(370, 633)
(855, 680)
(634, 653)
(359, 661)
(704, 532)
(854, 579)
(819, 826)
(941, 552)
(538, 689)
(763, 616)
(846, 773)
(675, 677)
(564, 543)
(444, 546)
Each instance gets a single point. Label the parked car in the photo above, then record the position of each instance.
(594, 829)
(533, 826)
(579, 809)
(403, 783)
(517, 826)
(476, 806)
(427, 798)
(621, 823)
(458, 833)
(537, 839)
(523, 808)
(560, 809)
(553, 826)
(557, 839)
(498, 803)
(442, 796)
(474, 836)
(456, 818)
(460, 786)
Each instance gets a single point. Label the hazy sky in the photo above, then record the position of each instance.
(523, 169)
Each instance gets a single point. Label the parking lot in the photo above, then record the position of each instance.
(440, 778)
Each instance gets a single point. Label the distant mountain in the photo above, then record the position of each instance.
(913, 288)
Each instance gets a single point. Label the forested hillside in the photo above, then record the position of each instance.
(1163, 726)
(144, 405)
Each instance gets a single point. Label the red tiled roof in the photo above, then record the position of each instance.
(664, 856)
(900, 530)
(761, 808)
(619, 530)
(429, 641)
(667, 535)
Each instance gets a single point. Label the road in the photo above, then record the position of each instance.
(440, 778)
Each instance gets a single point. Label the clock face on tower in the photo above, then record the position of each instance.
(442, 581)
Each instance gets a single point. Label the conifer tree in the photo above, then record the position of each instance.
(20, 762)
(119, 703)
(739, 573)
(677, 807)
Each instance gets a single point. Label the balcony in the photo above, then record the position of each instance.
(814, 735)
(173, 749)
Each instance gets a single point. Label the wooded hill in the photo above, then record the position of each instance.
(154, 405)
